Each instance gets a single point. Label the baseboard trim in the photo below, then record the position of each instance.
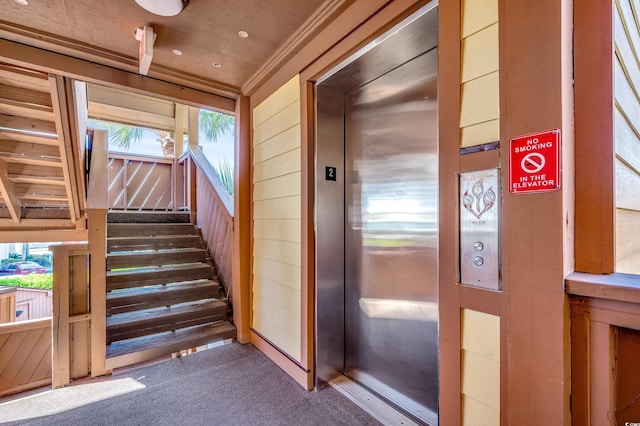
(299, 374)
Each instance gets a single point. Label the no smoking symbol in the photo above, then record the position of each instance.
(533, 162)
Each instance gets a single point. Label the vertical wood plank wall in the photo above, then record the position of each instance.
(276, 291)
(626, 79)
(480, 368)
(480, 103)
(34, 303)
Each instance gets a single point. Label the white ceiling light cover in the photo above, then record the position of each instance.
(163, 7)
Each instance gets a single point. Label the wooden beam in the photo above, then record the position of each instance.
(194, 126)
(37, 180)
(205, 95)
(41, 235)
(129, 116)
(24, 102)
(29, 149)
(24, 78)
(42, 224)
(29, 138)
(27, 125)
(178, 130)
(35, 161)
(69, 168)
(125, 99)
(77, 106)
(8, 190)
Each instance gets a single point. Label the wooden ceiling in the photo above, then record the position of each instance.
(206, 32)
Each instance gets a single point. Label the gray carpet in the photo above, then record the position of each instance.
(227, 385)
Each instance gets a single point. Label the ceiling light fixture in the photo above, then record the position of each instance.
(177, 52)
(163, 7)
(216, 64)
(22, 2)
(243, 34)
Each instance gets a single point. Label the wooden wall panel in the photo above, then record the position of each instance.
(627, 247)
(276, 196)
(480, 91)
(478, 14)
(627, 137)
(37, 303)
(480, 345)
(281, 229)
(25, 355)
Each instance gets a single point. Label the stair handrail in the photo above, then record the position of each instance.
(223, 196)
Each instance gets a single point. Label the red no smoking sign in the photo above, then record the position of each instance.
(534, 162)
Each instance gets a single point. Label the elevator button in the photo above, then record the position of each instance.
(478, 261)
(478, 246)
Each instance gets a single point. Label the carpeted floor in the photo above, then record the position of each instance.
(228, 385)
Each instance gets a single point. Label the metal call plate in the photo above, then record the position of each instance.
(480, 229)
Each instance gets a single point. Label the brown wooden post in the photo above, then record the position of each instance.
(97, 277)
(60, 344)
(242, 222)
(536, 91)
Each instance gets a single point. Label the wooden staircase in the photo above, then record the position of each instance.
(162, 291)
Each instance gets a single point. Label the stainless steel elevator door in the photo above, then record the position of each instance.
(391, 236)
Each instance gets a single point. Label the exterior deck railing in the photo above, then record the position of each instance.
(141, 183)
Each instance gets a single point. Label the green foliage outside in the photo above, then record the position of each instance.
(212, 124)
(37, 281)
(42, 259)
(225, 171)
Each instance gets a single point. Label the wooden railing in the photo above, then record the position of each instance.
(214, 213)
(141, 183)
(25, 358)
(605, 341)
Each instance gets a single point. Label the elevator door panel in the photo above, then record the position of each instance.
(391, 236)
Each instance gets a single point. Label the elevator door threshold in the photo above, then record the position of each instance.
(370, 403)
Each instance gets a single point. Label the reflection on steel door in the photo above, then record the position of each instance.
(391, 236)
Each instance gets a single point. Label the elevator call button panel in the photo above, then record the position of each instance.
(480, 229)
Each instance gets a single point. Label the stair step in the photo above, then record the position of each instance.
(155, 258)
(163, 295)
(127, 352)
(123, 216)
(157, 320)
(158, 242)
(149, 229)
(117, 280)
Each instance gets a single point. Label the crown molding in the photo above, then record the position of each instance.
(316, 22)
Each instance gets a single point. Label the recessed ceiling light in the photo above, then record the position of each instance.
(22, 2)
(216, 64)
(177, 52)
(243, 34)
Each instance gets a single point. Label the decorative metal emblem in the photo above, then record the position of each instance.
(479, 201)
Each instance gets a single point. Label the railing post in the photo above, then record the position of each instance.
(60, 374)
(191, 188)
(97, 221)
(97, 208)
